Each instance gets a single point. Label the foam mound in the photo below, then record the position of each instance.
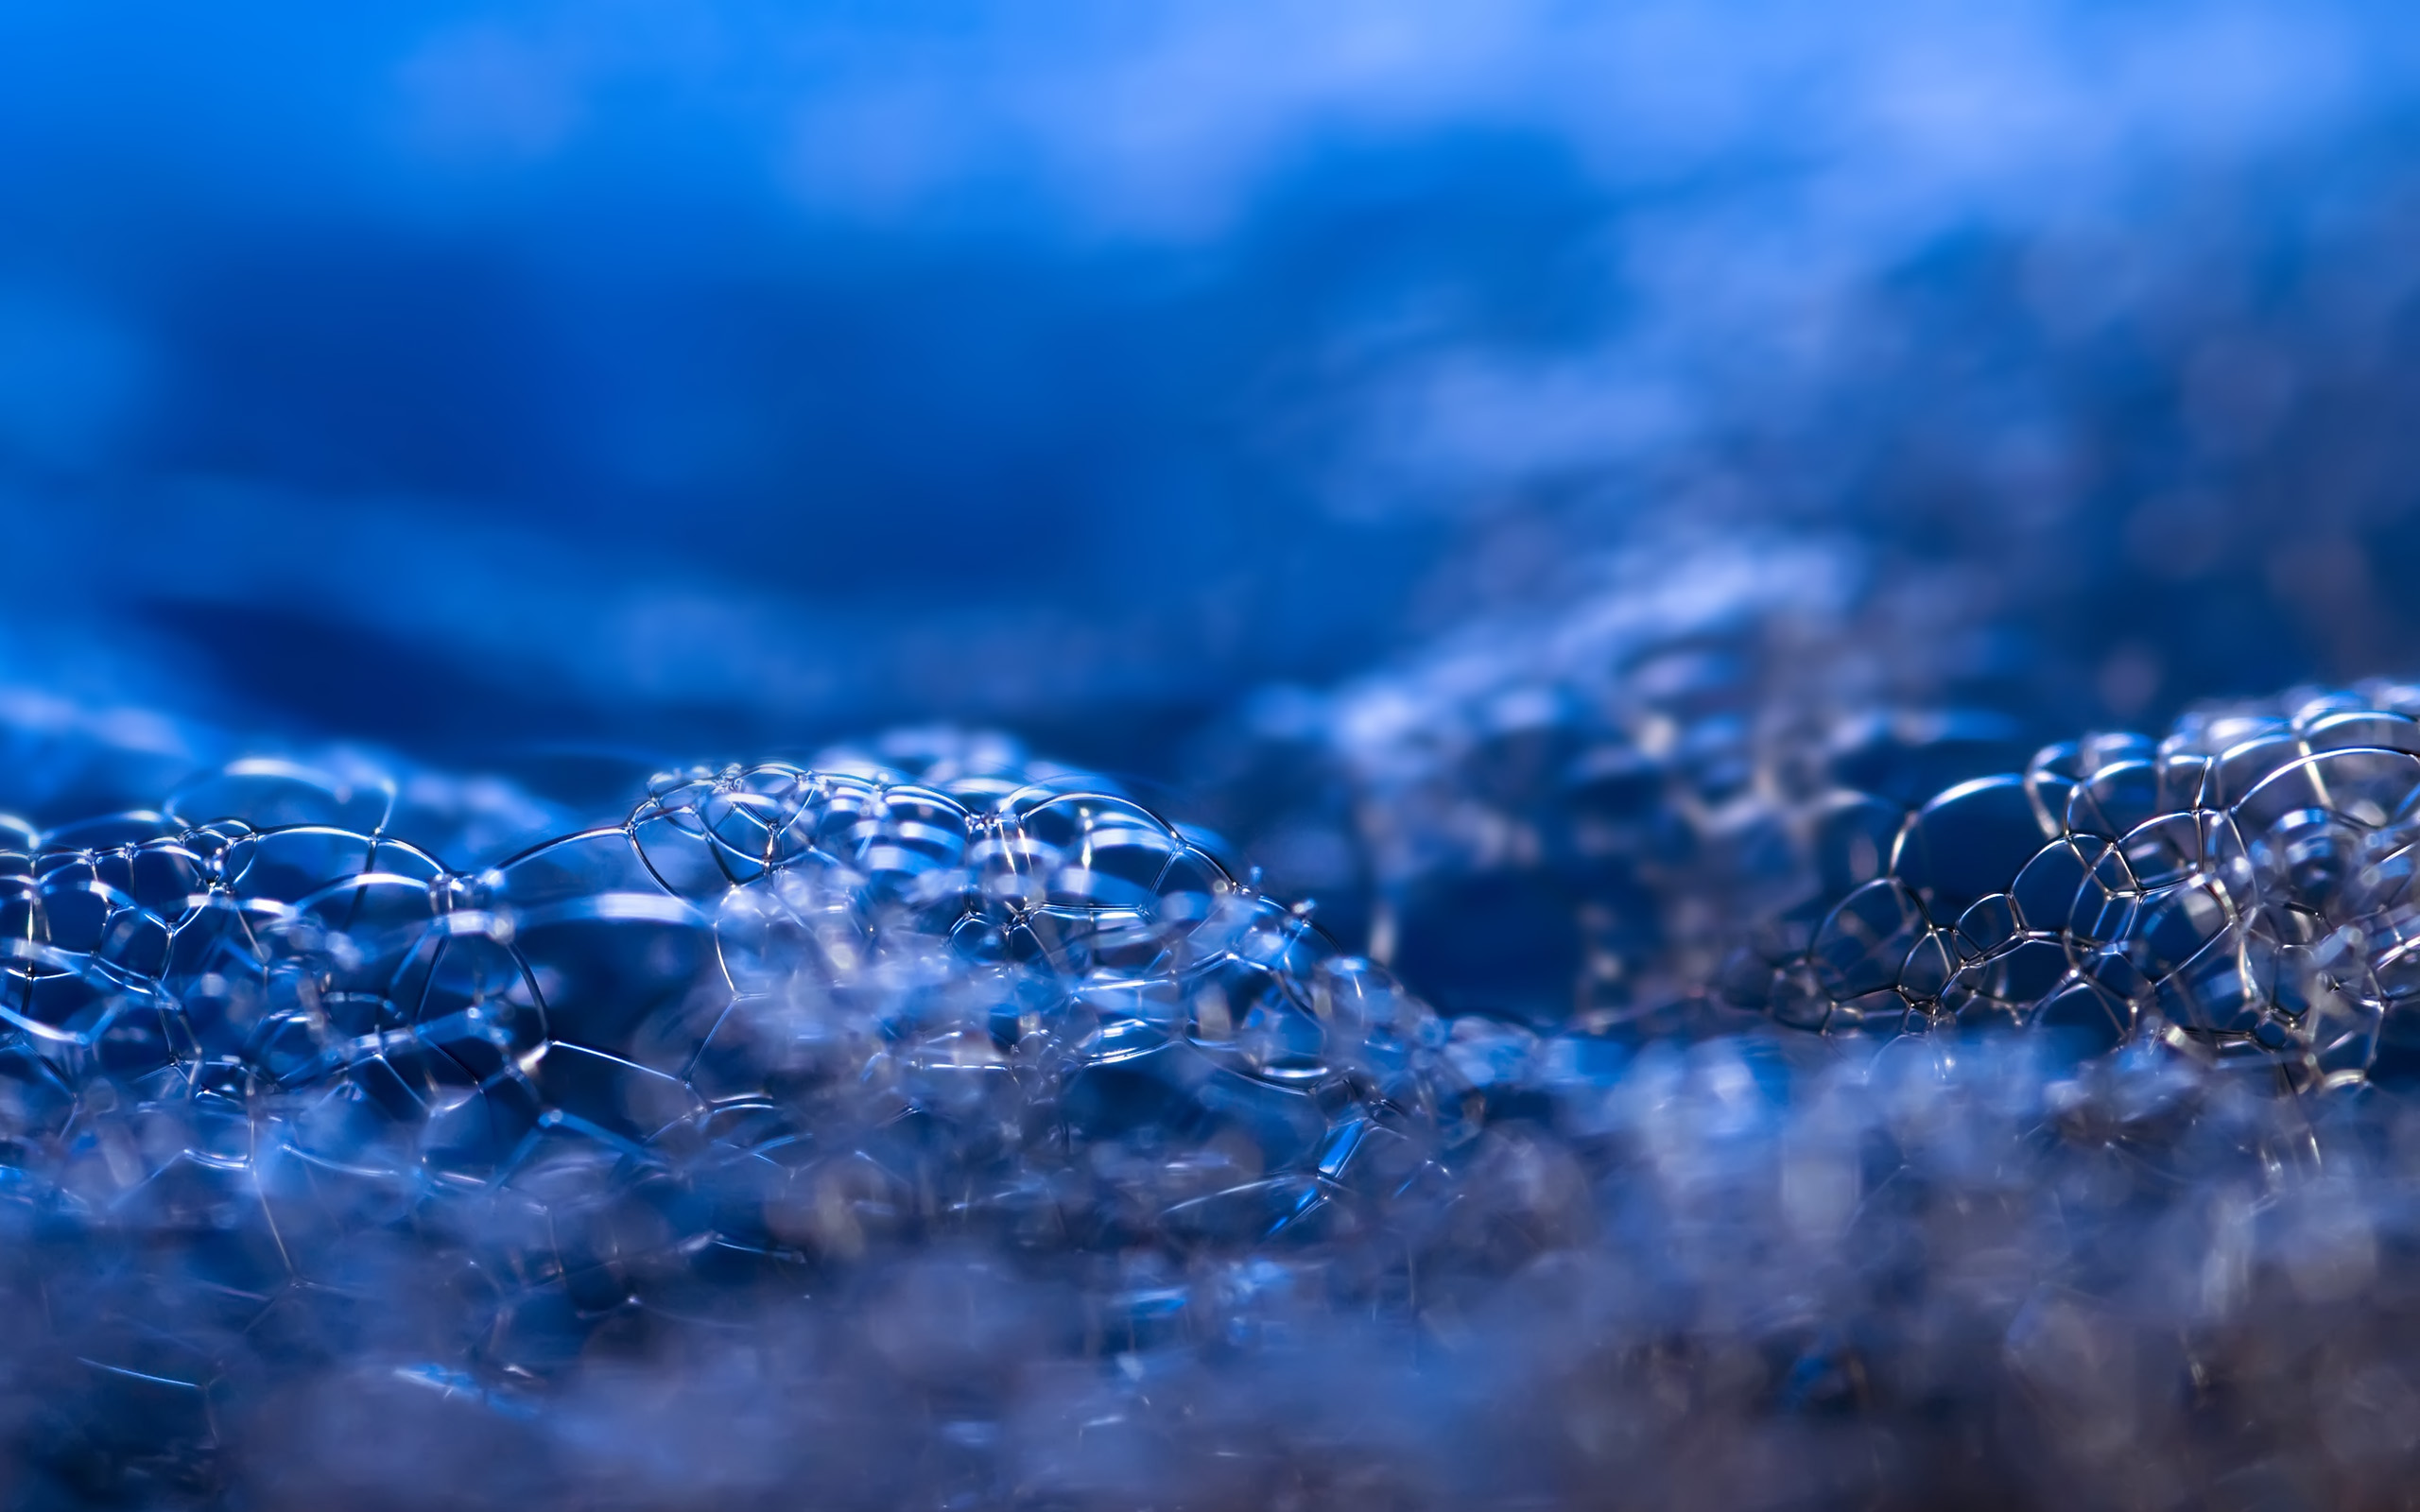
(964, 1134)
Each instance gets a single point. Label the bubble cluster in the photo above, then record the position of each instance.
(2243, 884)
(1566, 822)
(779, 1023)
(1657, 816)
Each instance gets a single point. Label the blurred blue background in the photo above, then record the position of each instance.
(603, 384)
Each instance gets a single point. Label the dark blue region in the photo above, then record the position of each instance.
(644, 363)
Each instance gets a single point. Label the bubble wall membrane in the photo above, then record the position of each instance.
(961, 1133)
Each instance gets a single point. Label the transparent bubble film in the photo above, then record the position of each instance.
(936, 1128)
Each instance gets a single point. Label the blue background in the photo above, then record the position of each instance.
(664, 380)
